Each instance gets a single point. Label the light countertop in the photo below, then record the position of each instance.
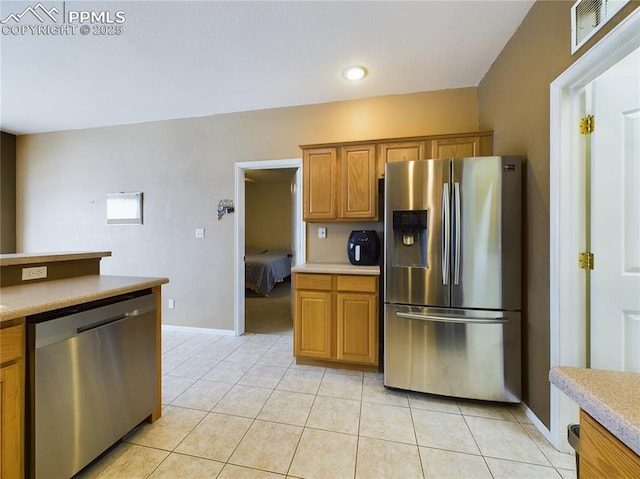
(336, 268)
(13, 259)
(611, 397)
(27, 299)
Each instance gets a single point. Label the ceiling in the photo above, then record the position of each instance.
(177, 59)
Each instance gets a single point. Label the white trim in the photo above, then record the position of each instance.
(239, 230)
(190, 329)
(535, 421)
(566, 283)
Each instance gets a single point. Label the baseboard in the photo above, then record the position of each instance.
(189, 329)
(536, 422)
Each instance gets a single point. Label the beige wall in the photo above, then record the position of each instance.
(185, 167)
(268, 215)
(514, 102)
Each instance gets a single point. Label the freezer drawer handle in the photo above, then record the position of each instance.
(452, 319)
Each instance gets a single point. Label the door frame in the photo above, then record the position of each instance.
(239, 229)
(567, 211)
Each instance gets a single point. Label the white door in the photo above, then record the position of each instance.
(615, 218)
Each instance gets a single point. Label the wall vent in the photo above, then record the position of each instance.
(588, 16)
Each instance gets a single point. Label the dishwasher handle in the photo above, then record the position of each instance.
(103, 322)
(453, 319)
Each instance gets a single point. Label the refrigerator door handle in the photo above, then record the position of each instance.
(453, 319)
(457, 221)
(446, 239)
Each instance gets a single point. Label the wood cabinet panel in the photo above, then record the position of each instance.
(336, 324)
(455, 147)
(399, 151)
(602, 454)
(312, 324)
(11, 343)
(313, 281)
(357, 330)
(340, 179)
(319, 193)
(350, 282)
(358, 198)
(12, 401)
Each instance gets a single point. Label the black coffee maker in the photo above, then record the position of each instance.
(363, 248)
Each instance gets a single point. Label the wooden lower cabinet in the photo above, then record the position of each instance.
(604, 455)
(12, 400)
(336, 318)
(357, 323)
(313, 328)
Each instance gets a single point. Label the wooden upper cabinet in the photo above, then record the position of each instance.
(340, 183)
(461, 147)
(319, 189)
(358, 192)
(340, 179)
(399, 151)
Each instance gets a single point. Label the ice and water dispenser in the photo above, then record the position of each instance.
(410, 238)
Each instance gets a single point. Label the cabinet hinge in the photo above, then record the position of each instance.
(587, 125)
(586, 260)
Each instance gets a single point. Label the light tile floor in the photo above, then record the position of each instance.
(239, 407)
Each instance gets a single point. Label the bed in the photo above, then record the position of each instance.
(264, 268)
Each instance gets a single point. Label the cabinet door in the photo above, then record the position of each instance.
(401, 151)
(11, 408)
(357, 328)
(319, 167)
(12, 401)
(602, 454)
(455, 147)
(358, 198)
(312, 324)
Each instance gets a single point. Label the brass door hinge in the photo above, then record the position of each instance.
(587, 125)
(586, 260)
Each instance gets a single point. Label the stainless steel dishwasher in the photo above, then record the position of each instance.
(92, 378)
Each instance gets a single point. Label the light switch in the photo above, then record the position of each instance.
(322, 232)
(199, 233)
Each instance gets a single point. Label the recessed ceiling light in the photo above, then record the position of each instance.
(355, 73)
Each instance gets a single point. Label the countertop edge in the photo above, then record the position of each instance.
(131, 283)
(336, 268)
(17, 259)
(610, 418)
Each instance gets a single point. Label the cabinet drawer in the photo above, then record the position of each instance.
(365, 284)
(11, 343)
(313, 281)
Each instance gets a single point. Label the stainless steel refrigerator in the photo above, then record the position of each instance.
(452, 277)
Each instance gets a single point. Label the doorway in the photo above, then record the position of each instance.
(265, 171)
(568, 219)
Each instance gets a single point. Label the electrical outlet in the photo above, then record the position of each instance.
(199, 233)
(322, 232)
(37, 272)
